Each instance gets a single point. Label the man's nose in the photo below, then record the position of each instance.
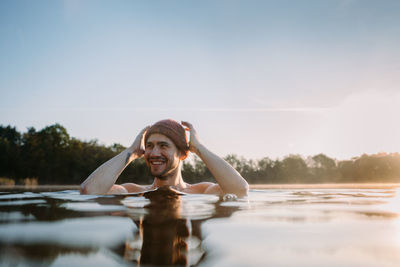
(155, 151)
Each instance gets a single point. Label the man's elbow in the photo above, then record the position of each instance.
(239, 191)
(84, 190)
(243, 191)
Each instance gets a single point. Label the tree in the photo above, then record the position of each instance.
(266, 171)
(53, 157)
(293, 169)
(10, 143)
(323, 169)
(43, 153)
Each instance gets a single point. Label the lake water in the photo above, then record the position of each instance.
(272, 227)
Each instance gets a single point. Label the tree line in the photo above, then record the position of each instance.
(52, 156)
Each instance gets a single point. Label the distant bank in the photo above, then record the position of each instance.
(51, 156)
(44, 188)
(328, 186)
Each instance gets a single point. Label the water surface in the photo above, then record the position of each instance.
(274, 227)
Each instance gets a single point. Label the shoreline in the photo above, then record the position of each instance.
(252, 186)
(327, 186)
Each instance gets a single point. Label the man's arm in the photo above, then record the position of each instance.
(104, 177)
(227, 177)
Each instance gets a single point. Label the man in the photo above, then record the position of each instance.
(164, 146)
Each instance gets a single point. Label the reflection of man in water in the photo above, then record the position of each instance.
(166, 235)
(164, 146)
(164, 232)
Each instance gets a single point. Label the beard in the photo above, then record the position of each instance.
(165, 174)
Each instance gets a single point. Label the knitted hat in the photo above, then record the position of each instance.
(174, 131)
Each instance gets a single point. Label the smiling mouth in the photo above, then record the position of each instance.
(157, 161)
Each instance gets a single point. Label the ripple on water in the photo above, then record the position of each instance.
(77, 232)
(19, 196)
(301, 227)
(135, 202)
(22, 202)
(72, 195)
(15, 216)
(92, 207)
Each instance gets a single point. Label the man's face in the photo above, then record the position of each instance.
(161, 156)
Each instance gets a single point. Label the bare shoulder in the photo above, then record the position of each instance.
(204, 188)
(128, 188)
(135, 188)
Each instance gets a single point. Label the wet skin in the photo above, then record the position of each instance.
(164, 161)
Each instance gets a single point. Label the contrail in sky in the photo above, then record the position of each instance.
(157, 109)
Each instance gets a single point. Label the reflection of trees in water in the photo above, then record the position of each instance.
(167, 232)
(165, 235)
(37, 254)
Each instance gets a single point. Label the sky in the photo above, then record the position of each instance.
(255, 78)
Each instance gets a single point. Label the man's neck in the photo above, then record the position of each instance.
(175, 180)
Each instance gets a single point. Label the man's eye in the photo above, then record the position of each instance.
(148, 145)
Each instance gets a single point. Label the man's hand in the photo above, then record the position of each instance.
(194, 142)
(103, 179)
(137, 148)
(228, 179)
